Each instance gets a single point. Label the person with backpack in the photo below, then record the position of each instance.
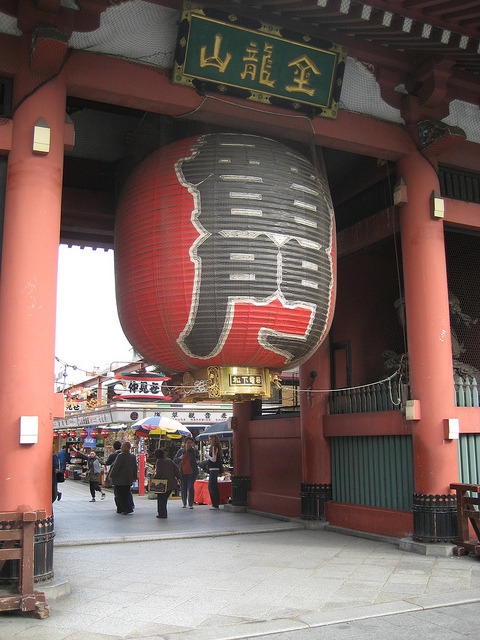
(214, 457)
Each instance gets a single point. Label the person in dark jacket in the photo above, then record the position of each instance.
(167, 470)
(113, 456)
(56, 495)
(187, 459)
(108, 463)
(123, 474)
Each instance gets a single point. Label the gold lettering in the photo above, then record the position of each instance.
(215, 60)
(302, 73)
(266, 66)
(251, 60)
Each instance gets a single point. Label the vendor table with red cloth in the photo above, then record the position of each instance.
(203, 497)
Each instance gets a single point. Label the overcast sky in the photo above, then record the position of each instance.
(88, 333)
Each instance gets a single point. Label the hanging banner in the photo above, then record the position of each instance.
(89, 442)
(222, 52)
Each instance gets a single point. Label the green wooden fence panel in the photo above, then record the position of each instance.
(466, 392)
(469, 458)
(375, 471)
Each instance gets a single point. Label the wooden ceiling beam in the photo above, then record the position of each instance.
(354, 17)
(451, 10)
(416, 10)
(418, 4)
(114, 81)
(299, 7)
(387, 33)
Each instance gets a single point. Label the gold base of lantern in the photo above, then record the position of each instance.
(235, 384)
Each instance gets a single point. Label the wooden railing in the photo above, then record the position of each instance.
(467, 513)
(17, 543)
(391, 395)
(379, 396)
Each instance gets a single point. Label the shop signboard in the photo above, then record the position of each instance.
(140, 390)
(94, 419)
(65, 423)
(197, 416)
(224, 52)
(190, 415)
(126, 413)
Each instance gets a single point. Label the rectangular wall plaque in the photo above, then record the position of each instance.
(249, 59)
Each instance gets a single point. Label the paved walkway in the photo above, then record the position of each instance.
(217, 575)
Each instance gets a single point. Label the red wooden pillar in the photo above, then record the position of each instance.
(429, 351)
(28, 294)
(242, 413)
(316, 463)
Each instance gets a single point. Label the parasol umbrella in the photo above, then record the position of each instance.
(158, 425)
(220, 429)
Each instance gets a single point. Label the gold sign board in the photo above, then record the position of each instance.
(222, 52)
(229, 383)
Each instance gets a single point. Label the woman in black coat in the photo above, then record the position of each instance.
(167, 470)
(123, 474)
(214, 457)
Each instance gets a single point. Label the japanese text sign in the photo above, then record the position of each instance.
(266, 64)
(140, 389)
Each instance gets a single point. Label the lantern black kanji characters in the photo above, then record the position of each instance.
(225, 256)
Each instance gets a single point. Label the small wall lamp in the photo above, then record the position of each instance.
(41, 137)
(437, 206)
(400, 195)
(28, 429)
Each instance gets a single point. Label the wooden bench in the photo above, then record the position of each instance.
(17, 543)
(467, 514)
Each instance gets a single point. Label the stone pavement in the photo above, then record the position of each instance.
(217, 575)
(458, 622)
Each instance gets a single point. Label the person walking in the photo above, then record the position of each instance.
(56, 494)
(214, 457)
(123, 474)
(93, 472)
(108, 463)
(167, 470)
(187, 459)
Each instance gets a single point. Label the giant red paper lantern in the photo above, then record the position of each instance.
(224, 254)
